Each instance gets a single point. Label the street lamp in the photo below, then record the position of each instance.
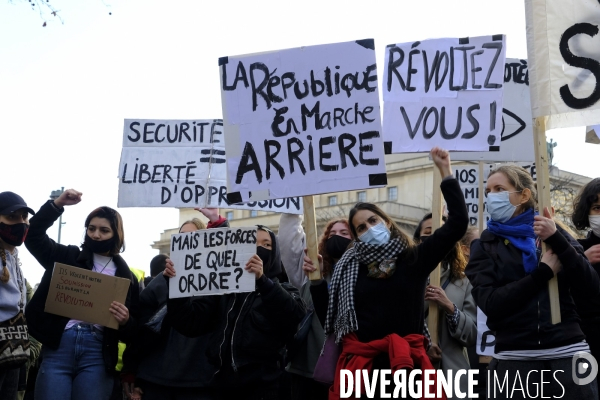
(53, 196)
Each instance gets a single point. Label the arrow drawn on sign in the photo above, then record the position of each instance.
(516, 118)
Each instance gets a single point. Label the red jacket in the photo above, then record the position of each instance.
(405, 353)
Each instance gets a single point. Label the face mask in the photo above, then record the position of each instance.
(336, 246)
(378, 235)
(99, 246)
(500, 207)
(264, 254)
(14, 234)
(595, 224)
(424, 238)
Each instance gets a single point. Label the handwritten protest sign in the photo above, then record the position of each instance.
(486, 338)
(180, 163)
(516, 143)
(85, 295)
(443, 92)
(302, 121)
(563, 48)
(468, 177)
(211, 261)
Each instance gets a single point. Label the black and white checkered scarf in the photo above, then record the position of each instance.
(341, 316)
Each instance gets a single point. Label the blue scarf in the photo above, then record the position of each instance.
(519, 231)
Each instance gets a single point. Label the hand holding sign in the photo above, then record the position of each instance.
(551, 259)
(308, 267)
(211, 213)
(120, 312)
(255, 266)
(544, 227)
(68, 198)
(169, 271)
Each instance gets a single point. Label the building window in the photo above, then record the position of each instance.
(393, 193)
(361, 196)
(253, 213)
(332, 200)
(229, 215)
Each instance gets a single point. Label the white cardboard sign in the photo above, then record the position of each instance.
(211, 261)
(516, 142)
(302, 121)
(563, 48)
(443, 92)
(180, 163)
(486, 338)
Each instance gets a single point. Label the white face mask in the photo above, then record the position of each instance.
(595, 224)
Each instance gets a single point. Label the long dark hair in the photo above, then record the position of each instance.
(455, 257)
(116, 224)
(583, 203)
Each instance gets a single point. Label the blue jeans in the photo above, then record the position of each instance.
(76, 370)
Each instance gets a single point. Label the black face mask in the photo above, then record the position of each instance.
(424, 238)
(14, 234)
(99, 246)
(265, 256)
(336, 246)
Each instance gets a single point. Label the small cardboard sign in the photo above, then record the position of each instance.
(85, 295)
(211, 261)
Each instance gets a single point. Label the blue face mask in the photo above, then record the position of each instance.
(500, 207)
(378, 235)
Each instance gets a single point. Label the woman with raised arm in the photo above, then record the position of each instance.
(378, 286)
(510, 278)
(79, 358)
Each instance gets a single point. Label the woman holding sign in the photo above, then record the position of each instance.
(378, 286)
(79, 358)
(510, 278)
(248, 331)
(586, 214)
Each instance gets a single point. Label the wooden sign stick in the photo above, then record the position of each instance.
(543, 190)
(434, 277)
(481, 195)
(310, 229)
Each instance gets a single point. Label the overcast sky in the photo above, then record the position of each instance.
(66, 88)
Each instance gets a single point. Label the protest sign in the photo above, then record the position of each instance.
(444, 92)
(211, 261)
(302, 121)
(180, 163)
(592, 134)
(564, 70)
(468, 177)
(486, 338)
(516, 139)
(85, 295)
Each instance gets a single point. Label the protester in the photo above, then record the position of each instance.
(378, 286)
(586, 214)
(510, 278)
(78, 358)
(157, 266)
(457, 329)
(248, 331)
(303, 355)
(29, 371)
(162, 364)
(14, 223)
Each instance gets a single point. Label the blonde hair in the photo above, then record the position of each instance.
(196, 221)
(520, 179)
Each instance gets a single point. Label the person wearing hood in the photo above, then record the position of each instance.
(79, 358)
(248, 331)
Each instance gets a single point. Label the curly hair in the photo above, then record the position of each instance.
(322, 248)
(583, 203)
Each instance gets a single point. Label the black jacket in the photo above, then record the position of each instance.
(48, 328)
(248, 331)
(588, 307)
(517, 304)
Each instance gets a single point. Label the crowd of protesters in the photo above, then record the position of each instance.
(368, 309)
